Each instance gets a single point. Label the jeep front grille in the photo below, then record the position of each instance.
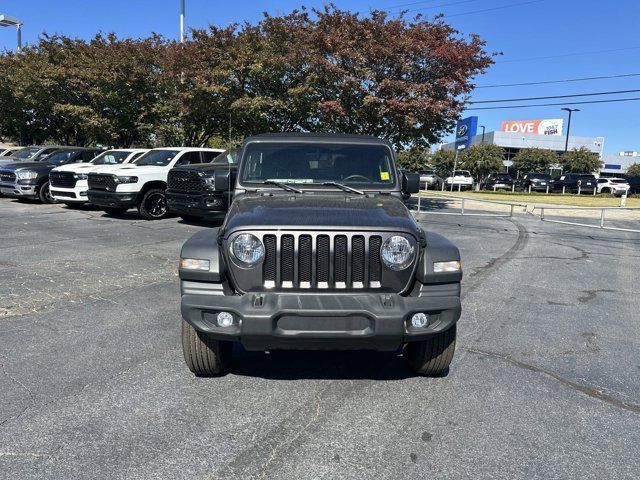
(62, 179)
(99, 181)
(322, 261)
(185, 181)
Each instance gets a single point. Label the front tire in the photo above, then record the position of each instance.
(204, 356)
(153, 205)
(433, 356)
(44, 194)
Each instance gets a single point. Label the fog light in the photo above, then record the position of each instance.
(419, 320)
(225, 319)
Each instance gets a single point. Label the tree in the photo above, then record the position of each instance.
(580, 160)
(534, 159)
(633, 170)
(412, 159)
(443, 161)
(482, 159)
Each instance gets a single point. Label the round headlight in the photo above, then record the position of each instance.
(397, 253)
(247, 249)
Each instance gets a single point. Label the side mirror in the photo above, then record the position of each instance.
(410, 182)
(224, 179)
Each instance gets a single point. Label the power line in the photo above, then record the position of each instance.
(449, 4)
(592, 94)
(392, 9)
(567, 55)
(546, 82)
(557, 104)
(493, 9)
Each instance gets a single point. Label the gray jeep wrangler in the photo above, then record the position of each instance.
(318, 251)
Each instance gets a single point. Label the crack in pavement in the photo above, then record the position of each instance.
(24, 387)
(590, 391)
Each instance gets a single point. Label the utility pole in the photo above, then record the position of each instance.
(455, 164)
(482, 127)
(570, 110)
(7, 21)
(182, 32)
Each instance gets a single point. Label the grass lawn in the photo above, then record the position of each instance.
(556, 199)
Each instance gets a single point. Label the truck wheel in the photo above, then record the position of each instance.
(44, 194)
(432, 357)
(153, 205)
(114, 211)
(203, 355)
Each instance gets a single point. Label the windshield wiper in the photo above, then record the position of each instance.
(343, 187)
(283, 186)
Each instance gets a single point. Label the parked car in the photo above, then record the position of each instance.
(429, 179)
(317, 251)
(34, 153)
(31, 179)
(202, 190)
(616, 186)
(68, 183)
(496, 181)
(460, 179)
(535, 181)
(634, 185)
(571, 181)
(7, 151)
(116, 189)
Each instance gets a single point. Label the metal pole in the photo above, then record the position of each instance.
(602, 218)
(566, 142)
(19, 32)
(182, 36)
(482, 127)
(419, 202)
(462, 207)
(455, 165)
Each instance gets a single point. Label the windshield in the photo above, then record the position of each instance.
(160, 158)
(316, 163)
(539, 175)
(586, 177)
(461, 173)
(503, 176)
(26, 153)
(229, 157)
(60, 157)
(111, 157)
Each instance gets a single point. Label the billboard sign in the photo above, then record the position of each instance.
(466, 130)
(550, 126)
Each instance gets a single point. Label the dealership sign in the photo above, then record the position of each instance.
(551, 126)
(466, 130)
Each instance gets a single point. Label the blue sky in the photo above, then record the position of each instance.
(583, 38)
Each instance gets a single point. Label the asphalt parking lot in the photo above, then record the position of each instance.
(545, 382)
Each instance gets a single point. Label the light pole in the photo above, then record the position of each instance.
(181, 21)
(482, 127)
(570, 110)
(7, 21)
(455, 164)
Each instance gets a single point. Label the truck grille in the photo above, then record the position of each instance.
(62, 179)
(322, 261)
(98, 181)
(8, 177)
(185, 181)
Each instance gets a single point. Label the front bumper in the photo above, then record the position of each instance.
(103, 198)
(77, 194)
(197, 204)
(17, 190)
(361, 321)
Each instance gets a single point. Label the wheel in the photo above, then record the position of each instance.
(44, 194)
(153, 205)
(203, 355)
(432, 357)
(115, 211)
(191, 218)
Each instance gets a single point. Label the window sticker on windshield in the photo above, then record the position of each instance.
(384, 175)
(290, 180)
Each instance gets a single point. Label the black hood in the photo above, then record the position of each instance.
(319, 212)
(37, 166)
(206, 167)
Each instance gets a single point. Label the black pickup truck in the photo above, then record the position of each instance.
(318, 251)
(192, 192)
(574, 183)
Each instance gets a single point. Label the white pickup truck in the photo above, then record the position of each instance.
(142, 185)
(68, 183)
(461, 179)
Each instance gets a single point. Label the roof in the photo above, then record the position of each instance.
(190, 149)
(316, 137)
